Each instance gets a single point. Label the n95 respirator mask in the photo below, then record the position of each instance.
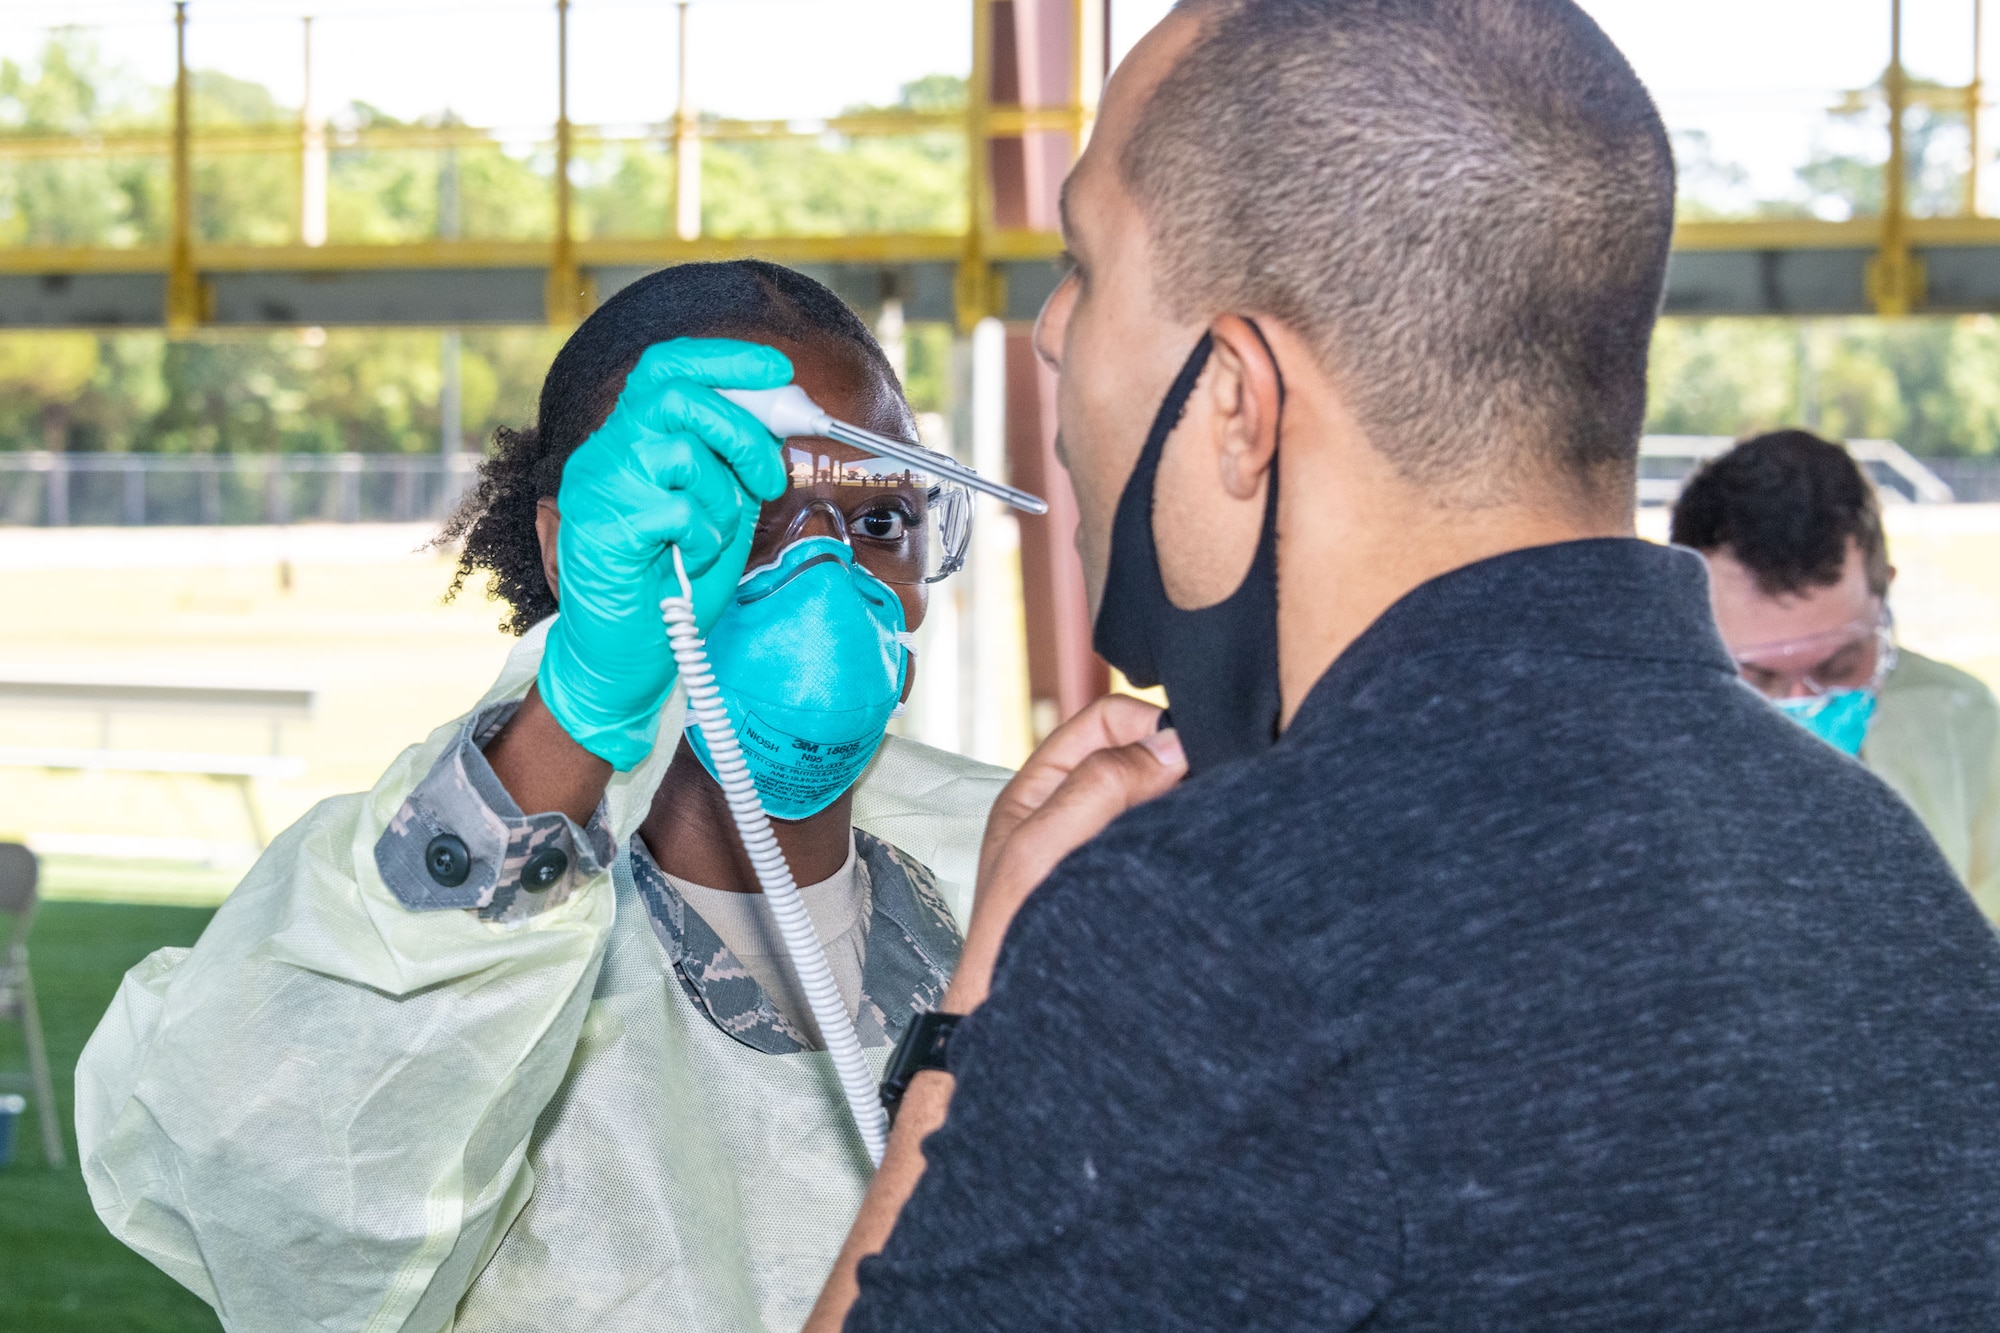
(810, 657)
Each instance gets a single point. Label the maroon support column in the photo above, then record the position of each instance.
(1032, 41)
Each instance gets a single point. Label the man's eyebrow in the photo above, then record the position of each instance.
(1062, 214)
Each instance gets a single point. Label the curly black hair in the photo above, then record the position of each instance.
(1785, 504)
(743, 298)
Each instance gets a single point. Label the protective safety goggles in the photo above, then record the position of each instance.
(904, 525)
(1854, 656)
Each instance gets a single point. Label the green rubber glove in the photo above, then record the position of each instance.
(675, 464)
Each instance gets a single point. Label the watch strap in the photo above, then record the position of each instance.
(924, 1044)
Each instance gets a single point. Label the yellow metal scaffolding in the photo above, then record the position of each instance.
(1894, 279)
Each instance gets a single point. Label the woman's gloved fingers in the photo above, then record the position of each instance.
(683, 407)
(681, 495)
(720, 503)
(670, 390)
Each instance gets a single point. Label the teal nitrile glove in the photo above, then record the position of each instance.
(675, 464)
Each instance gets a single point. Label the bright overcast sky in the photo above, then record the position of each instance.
(1754, 74)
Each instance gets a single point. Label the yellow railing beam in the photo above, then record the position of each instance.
(1855, 234)
(882, 248)
(393, 138)
(1778, 234)
(70, 260)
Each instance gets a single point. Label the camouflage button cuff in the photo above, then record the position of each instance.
(460, 841)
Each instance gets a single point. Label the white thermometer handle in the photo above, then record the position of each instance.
(787, 413)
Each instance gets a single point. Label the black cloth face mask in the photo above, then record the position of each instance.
(1219, 664)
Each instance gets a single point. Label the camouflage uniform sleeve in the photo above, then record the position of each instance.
(460, 841)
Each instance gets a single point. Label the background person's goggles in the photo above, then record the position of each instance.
(1854, 656)
(904, 525)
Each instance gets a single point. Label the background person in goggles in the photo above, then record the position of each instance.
(509, 1041)
(1799, 574)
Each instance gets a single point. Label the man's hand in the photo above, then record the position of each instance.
(1092, 769)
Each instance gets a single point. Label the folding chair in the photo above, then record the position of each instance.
(18, 873)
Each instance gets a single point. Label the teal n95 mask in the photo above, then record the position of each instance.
(1841, 671)
(1839, 717)
(810, 657)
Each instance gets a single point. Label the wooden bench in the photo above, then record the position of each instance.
(273, 707)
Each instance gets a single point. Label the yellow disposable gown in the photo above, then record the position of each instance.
(340, 1114)
(1935, 738)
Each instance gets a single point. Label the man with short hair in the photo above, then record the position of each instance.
(1799, 574)
(1466, 955)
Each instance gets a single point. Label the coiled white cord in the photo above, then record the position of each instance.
(774, 875)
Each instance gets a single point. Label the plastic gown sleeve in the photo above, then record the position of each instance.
(319, 1116)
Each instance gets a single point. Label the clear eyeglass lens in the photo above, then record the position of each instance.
(905, 525)
(1854, 657)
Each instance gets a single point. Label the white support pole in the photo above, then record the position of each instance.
(312, 163)
(934, 715)
(451, 347)
(451, 397)
(995, 725)
(889, 333)
(687, 148)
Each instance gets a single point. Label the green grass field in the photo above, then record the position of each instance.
(62, 1272)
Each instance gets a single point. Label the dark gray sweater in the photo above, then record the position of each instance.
(1543, 977)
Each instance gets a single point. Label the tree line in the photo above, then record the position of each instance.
(378, 390)
(1931, 383)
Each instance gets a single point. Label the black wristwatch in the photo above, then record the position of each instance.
(923, 1046)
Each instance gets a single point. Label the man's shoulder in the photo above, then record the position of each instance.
(1235, 842)
(1423, 809)
(1202, 816)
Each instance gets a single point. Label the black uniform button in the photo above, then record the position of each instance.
(447, 860)
(544, 868)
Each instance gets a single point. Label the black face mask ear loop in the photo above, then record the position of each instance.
(1270, 533)
(1267, 540)
(1276, 369)
(1219, 663)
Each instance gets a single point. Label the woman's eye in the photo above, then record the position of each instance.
(882, 525)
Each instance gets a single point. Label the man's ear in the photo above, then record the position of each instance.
(1208, 499)
(1247, 397)
(548, 523)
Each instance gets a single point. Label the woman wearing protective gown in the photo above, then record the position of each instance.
(507, 1041)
